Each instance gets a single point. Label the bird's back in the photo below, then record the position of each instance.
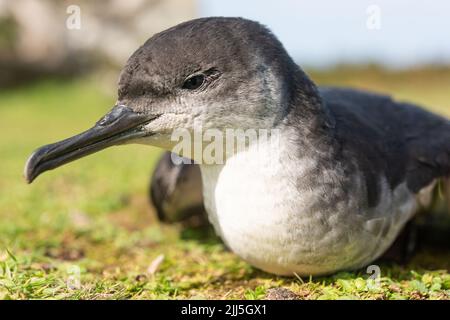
(401, 141)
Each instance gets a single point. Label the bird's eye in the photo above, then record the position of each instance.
(194, 82)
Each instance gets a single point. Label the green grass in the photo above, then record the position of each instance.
(91, 218)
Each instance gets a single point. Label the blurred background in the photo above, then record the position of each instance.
(59, 65)
(40, 37)
(50, 37)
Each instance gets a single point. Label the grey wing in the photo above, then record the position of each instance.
(176, 190)
(402, 140)
(428, 141)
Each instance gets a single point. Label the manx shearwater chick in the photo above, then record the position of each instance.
(348, 172)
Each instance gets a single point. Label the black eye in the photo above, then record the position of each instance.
(194, 82)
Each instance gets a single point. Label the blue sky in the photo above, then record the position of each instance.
(320, 33)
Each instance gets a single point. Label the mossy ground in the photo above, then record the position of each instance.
(87, 231)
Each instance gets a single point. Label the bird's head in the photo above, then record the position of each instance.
(207, 73)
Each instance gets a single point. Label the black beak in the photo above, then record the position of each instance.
(120, 125)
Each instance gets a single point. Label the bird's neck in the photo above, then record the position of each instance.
(302, 125)
(307, 111)
(305, 118)
(285, 156)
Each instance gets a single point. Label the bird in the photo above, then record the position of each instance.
(340, 173)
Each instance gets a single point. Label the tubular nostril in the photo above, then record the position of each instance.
(113, 115)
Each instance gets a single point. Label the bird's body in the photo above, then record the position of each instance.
(289, 207)
(347, 169)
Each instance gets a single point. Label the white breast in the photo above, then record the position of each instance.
(260, 212)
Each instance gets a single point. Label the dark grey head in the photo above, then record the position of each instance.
(210, 72)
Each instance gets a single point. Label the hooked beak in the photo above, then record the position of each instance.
(119, 126)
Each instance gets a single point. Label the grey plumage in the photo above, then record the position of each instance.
(399, 140)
